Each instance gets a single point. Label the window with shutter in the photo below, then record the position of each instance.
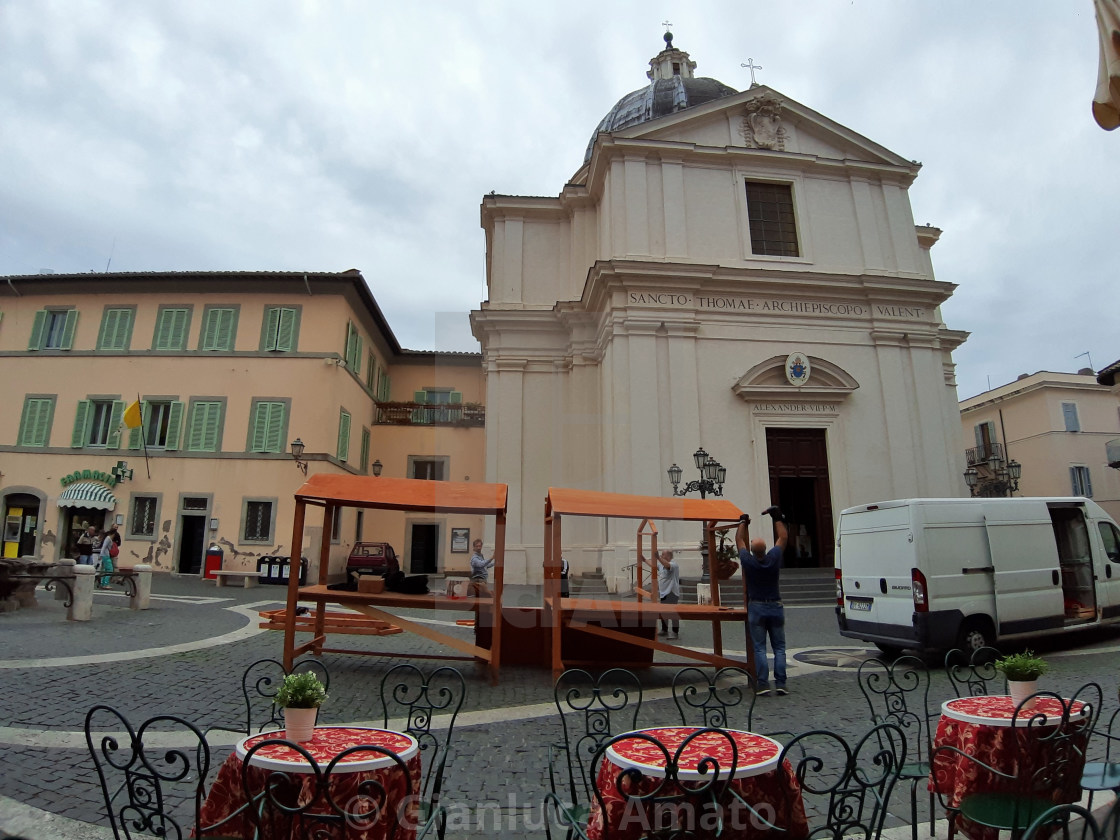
(266, 426)
(383, 386)
(371, 371)
(353, 348)
(771, 219)
(343, 452)
(1069, 415)
(363, 464)
(53, 329)
(116, 328)
(35, 421)
(172, 326)
(219, 328)
(204, 429)
(1080, 481)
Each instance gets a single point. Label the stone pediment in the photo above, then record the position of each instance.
(766, 381)
(763, 118)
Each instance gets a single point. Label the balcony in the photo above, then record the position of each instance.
(465, 415)
(989, 452)
(1112, 453)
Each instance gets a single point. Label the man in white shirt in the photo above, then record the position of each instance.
(479, 565)
(669, 586)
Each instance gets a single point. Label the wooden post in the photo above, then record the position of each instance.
(499, 586)
(713, 576)
(293, 585)
(324, 570)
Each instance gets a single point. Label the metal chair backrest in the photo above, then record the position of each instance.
(1073, 822)
(411, 701)
(592, 710)
(1061, 737)
(898, 693)
(314, 802)
(973, 673)
(259, 684)
(671, 805)
(152, 776)
(723, 699)
(850, 787)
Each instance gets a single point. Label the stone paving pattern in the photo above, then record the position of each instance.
(496, 769)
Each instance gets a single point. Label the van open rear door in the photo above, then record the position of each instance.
(1026, 573)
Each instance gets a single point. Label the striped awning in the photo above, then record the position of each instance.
(87, 494)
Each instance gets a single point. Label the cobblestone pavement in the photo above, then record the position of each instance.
(186, 655)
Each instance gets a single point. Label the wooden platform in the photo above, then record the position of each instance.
(334, 622)
(430, 601)
(644, 613)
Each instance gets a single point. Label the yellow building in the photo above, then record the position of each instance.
(229, 368)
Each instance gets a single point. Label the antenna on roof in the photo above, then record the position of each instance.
(111, 250)
(1086, 353)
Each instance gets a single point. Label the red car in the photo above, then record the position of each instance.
(371, 558)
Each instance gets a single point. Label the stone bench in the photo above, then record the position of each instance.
(248, 579)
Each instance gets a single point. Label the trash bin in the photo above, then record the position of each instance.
(213, 562)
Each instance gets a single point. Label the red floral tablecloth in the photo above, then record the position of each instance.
(347, 780)
(759, 780)
(999, 710)
(996, 744)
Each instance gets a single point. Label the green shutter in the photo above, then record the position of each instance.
(258, 427)
(205, 426)
(371, 370)
(81, 424)
(275, 439)
(267, 427)
(171, 331)
(174, 426)
(364, 465)
(68, 329)
(108, 331)
(287, 332)
(37, 328)
(385, 388)
(343, 436)
(270, 328)
(35, 424)
(218, 331)
(113, 441)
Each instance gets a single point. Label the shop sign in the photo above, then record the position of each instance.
(84, 475)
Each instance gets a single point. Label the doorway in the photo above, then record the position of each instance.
(21, 525)
(798, 466)
(192, 543)
(423, 549)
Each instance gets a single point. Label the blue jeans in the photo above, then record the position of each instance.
(768, 618)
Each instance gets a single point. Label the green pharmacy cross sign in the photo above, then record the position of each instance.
(121, 471)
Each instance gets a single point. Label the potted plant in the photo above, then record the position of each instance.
(1022, 671)
(300, 695)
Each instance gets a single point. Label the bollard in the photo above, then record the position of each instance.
(142, 595)
(62, 568)
(81, 608)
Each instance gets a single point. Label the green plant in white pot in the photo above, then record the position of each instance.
(1022, 671)
(300, 695)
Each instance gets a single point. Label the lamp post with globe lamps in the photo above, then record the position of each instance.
(713, 474)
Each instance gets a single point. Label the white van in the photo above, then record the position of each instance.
(932, 574)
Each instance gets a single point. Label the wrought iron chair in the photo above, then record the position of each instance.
(973, 673)
(412, 699)
(1073, 822)
(592, 709)
(1103, 775)
(259, 685)
(152, 776)
(317, 803)
(704, 700)
(850, 787)
(1018, 797)
(666, 805)
(898, 693)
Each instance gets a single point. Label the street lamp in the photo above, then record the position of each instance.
(298, 446)
(998, 477)
(713, 474)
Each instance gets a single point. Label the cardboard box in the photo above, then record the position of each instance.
(371, 584)
(457, 587)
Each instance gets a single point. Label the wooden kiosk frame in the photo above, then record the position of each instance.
(578, 613)
(404, 494)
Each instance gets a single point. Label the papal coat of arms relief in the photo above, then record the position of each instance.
(762, 125)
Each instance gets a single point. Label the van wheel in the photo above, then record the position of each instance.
(890, 651)
(974, 634)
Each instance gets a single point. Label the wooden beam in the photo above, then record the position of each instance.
(426, 632)
(688, 653)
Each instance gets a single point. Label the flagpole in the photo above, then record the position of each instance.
(144, 438)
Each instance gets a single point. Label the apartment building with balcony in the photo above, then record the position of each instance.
(228, 368)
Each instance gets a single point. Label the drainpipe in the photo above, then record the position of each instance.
(15, 291)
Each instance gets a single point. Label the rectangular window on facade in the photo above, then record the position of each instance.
(35, 421)
(53, 329)
(336, 525)
(343, 451)
(363, 464)
(428, 468)
(116, 328)
(1069, 416)
(267, 425)
(383, 386)
(359, 522)
(258, 522)
(371, 372)
(97, 423)
(280, 328)
(353, 348)
(985, 437)
(172, 326)
(1079, 479)
(162, 423)
(219, 328)
(204, 428)
(771, 219)
(142, 522)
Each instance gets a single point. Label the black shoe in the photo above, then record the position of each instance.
(763, 692)
(781, 691)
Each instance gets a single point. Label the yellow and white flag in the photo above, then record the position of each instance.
(131, 416)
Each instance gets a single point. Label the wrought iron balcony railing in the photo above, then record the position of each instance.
(471, 415)
(980, 455)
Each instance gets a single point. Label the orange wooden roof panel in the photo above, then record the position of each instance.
(405, 493)
(595, 503)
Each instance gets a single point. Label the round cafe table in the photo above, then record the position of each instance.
(757, 778)
(985, 728)
(227, 794)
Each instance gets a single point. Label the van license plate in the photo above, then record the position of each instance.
(860, 605)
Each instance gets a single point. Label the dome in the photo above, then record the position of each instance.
(672, 88)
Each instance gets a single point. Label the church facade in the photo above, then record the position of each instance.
(730, 271)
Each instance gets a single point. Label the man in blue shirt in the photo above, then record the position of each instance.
(765, 614)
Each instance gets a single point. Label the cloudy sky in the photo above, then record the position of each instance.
(272, 134)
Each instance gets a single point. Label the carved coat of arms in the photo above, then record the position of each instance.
(797, 368)
(762, 125)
